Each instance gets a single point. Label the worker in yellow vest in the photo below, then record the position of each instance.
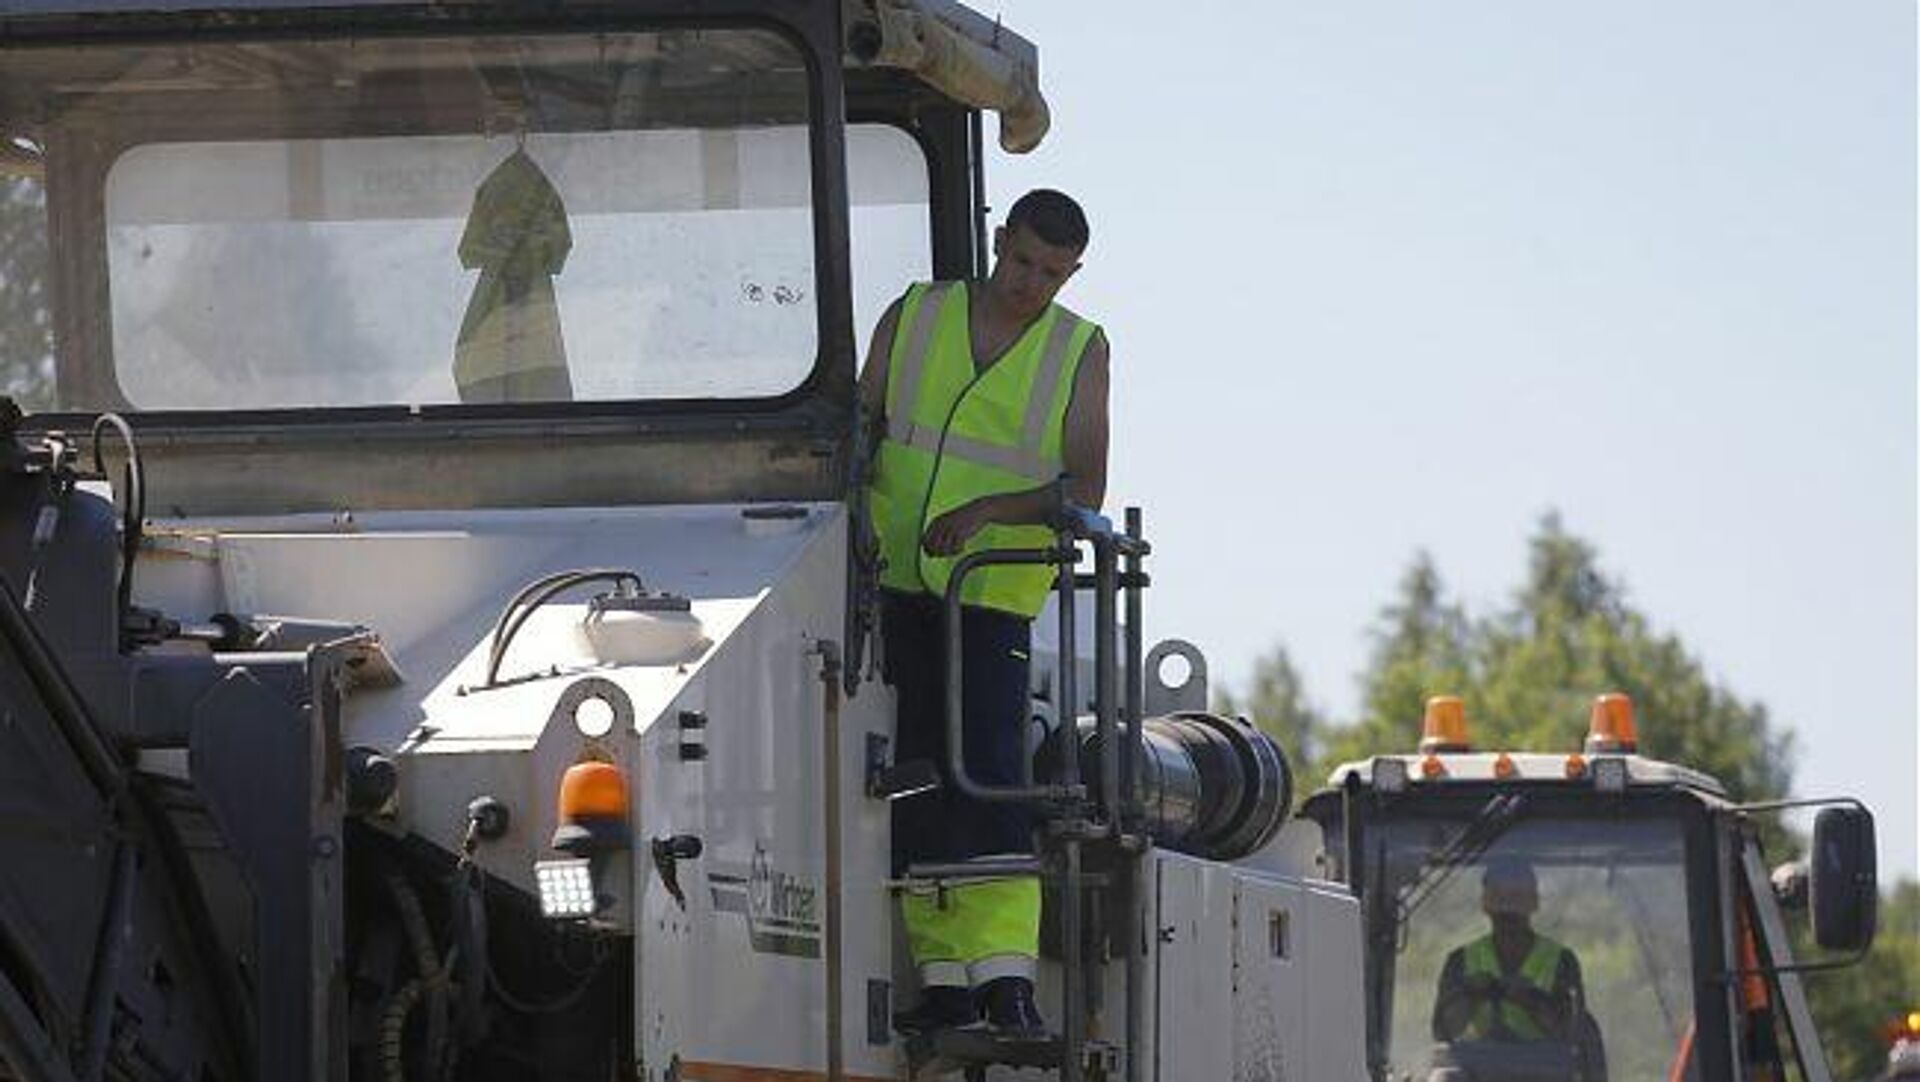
(1512, 984)
(989, 407)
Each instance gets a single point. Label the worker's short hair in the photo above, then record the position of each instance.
(1053, 217)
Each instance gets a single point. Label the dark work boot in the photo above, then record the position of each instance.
(1008, 1004)
(941, 1006)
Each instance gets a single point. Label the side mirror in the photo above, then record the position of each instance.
(1844, 891)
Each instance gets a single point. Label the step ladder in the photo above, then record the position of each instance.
(1076, 823)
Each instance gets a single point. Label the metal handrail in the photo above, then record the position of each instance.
(1065, 791)
(1117, 767)
(1132, 752)
(1119, 733)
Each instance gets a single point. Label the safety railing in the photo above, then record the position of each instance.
(1071, 814)
(1113, 714)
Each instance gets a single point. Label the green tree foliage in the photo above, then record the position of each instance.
(1422, 646)
(26, 330)
(1529, 673)
(1855, 1008)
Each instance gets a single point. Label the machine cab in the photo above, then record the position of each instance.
(413, 311)
(419, 256)
(1587, 916)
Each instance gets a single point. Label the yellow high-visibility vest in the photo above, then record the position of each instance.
(954, 435)
(1542, 964)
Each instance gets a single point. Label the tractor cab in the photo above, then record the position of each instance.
(1579, 917)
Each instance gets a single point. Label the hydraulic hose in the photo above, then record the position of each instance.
(432, 977)
(393, 1031)
(538, 593)
(134, 517)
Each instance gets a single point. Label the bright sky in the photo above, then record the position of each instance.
(1392, 275)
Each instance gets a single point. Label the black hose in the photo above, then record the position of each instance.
(531, 597)
(555, 1005)
(432, 978)
(135, 516)
(506, 614)
(393, 1030)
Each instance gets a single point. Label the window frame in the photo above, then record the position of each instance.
(82, 316)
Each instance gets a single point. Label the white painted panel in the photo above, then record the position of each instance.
(1194, 1010)
(1335, 997)
(1270, 1020)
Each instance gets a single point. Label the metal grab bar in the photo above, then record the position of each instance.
(1118, 764)
(1133, 902)
(1067, 790)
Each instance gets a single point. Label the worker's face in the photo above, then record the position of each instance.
(1509, 903)
(1510, 924)
(1027, 271)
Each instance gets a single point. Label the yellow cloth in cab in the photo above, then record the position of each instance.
(510, 347)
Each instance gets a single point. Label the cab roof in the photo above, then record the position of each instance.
(970, 23)
(1532, 768)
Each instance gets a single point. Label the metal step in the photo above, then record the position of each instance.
(930, 878)
(977, 868)
(973, 1050)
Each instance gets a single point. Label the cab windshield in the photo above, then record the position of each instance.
(378, 221)
(1592, 915)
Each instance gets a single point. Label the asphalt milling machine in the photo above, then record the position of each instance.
(438, 623)
(437, 607)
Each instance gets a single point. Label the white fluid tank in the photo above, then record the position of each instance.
(641, 629)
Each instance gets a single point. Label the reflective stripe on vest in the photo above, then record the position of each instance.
(1506, 1017)
(954, 435)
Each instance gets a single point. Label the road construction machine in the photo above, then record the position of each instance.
(1646, 873)
(434, 586)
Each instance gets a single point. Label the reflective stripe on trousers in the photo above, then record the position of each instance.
(974, 932)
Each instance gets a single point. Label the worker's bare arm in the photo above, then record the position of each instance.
(1084, 443)
(1083, 452)
(873, 377)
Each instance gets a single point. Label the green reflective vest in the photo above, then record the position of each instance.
(1504, 1018)
(954, 435)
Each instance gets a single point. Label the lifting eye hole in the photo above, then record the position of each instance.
(1175, 671)
(593, 717)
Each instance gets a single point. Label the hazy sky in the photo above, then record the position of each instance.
(1384, 276)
